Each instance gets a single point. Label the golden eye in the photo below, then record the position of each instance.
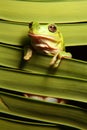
(52, 28)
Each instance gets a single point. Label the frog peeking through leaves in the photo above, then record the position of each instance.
(46, 39)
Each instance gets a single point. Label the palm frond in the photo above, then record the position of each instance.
(17, 77)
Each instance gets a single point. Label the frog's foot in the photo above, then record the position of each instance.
(28, 54)
(66, 55)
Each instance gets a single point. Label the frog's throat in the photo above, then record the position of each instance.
(46, 37)
(44, 44)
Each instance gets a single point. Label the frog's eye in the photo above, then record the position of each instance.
(52, 28)
(30, 24)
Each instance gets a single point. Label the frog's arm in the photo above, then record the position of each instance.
(27, 53)
(57, 58)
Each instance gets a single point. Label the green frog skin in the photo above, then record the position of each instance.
(46, 39)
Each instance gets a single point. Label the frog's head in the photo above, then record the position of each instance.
(46, 33)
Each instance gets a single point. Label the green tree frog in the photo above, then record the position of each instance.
(46, 39)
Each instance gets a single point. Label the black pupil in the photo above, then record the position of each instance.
(52, 28)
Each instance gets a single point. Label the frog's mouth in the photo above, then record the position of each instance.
(46, 37)
(44, 43)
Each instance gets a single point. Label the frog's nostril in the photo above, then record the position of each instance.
(30, 24)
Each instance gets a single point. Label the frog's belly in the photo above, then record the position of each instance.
(45, 46)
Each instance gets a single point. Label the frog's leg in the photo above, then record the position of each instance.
(27, 53)
(57, 58)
